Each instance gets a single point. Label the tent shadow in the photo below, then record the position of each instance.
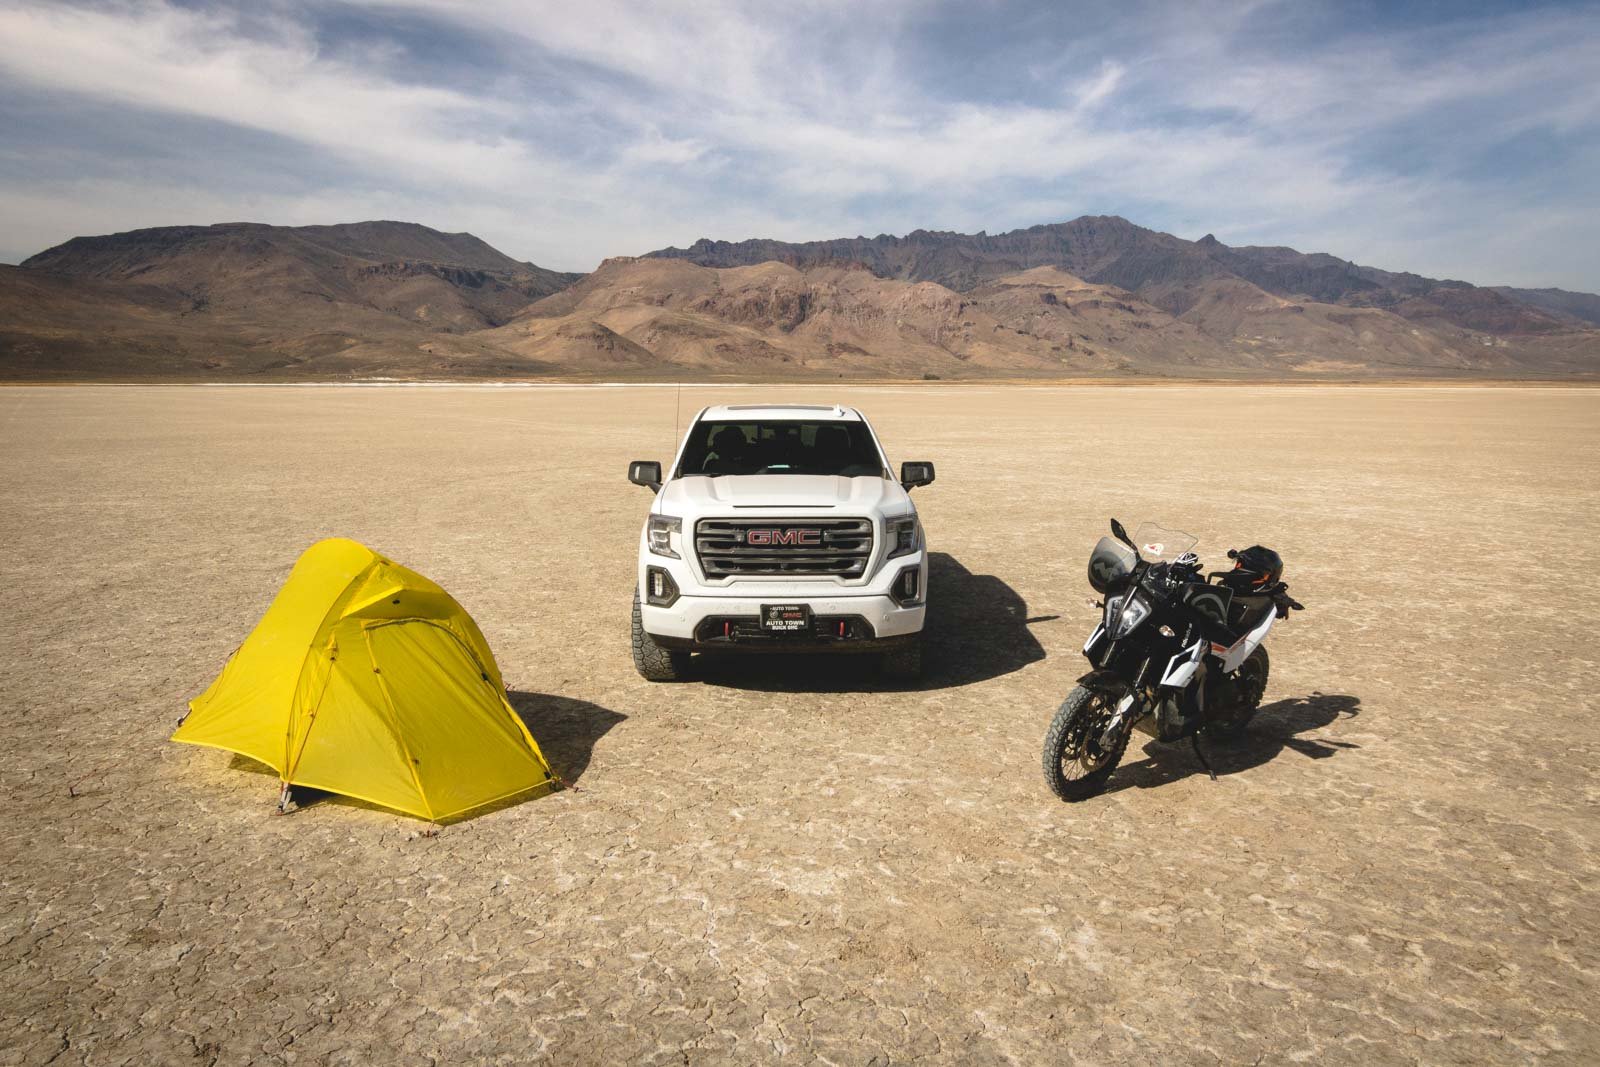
(303, 796)
(977, 629)
(565, 729)
(244, 763)
(1275, 729)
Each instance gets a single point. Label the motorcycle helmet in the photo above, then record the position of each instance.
(1255, 570)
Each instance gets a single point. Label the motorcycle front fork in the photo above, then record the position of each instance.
(1134, 711)
(1130, 707)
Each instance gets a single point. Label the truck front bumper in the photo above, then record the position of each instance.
(839, 624)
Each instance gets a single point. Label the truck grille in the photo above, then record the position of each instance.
(730, 548)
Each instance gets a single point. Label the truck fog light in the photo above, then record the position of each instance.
(907, 587)
(660, 589)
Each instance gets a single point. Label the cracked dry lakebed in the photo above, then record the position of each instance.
(792, 860)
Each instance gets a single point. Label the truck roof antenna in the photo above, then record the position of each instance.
(677, 413)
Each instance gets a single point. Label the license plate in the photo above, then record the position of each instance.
(786, 618)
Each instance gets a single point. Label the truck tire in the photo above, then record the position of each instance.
(904, 663)
(654, 663)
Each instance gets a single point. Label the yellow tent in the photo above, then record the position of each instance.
(364, 678)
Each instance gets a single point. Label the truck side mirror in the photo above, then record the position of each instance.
(913, 474)
(645, 472)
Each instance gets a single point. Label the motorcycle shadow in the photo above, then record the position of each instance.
(1276, 728)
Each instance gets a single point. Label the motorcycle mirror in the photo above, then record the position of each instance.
(1122, 535)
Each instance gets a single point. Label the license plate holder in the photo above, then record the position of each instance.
(786, 619)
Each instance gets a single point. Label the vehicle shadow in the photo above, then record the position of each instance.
(977, 629)
(1274, 729)
(566, 731)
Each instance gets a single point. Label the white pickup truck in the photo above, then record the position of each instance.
(779, 528)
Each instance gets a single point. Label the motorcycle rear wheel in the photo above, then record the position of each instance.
(1075, 766)
(1252, 681)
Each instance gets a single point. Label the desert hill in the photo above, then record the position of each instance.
(1167, 271)
(1582, 307)
(778, 319)
(250, 298)
(452, 282)
(1093, 297)
(771, 318)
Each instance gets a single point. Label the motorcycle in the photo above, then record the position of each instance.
(1175, 654)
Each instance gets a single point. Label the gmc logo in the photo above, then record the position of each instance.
(783, 537)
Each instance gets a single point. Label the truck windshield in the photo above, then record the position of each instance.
(781, 447)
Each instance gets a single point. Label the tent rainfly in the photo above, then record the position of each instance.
(364, 678)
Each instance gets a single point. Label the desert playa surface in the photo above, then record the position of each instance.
(791, 860)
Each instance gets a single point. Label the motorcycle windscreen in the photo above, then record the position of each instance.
(1110, 564)
(1156, 543)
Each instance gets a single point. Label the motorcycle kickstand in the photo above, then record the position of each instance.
(1194, 739)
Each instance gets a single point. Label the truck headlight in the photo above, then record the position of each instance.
(660, 532)
(902, 535)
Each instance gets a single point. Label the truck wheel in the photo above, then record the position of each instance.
(654, 663)
(904, 663)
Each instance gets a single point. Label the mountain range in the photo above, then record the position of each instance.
(1097, 296)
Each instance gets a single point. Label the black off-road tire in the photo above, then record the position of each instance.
(1254, 670)
(1073, 726)
(904, 662)
(654, 663)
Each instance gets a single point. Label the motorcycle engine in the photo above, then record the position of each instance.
(1222, 695)
(1171, 720)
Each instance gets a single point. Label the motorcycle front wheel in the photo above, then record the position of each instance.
(1075, 765)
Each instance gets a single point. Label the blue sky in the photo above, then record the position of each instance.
(1451, 139)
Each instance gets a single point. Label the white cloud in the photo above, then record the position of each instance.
(819, 118)
(1104, 84)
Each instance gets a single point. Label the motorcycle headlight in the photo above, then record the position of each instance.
(902, 534)
(1124, 614)
(660, 532)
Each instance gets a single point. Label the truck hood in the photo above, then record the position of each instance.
(697, 496)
